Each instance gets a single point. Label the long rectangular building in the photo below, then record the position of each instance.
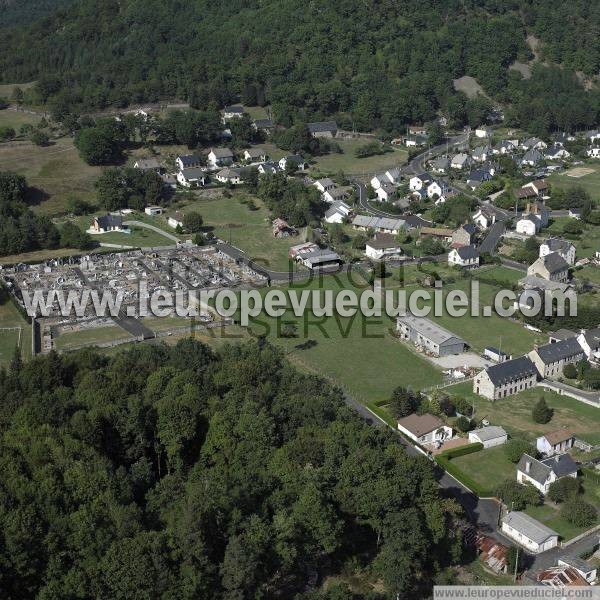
(506, 379)
(430, 336)
(551, 358)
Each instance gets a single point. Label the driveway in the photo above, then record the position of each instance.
(162, 232)
(455, 361)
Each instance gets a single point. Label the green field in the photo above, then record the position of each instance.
(591, 273)
(349, 164)
(14, 329)
(14, 119)
(91, 336)
(139, 237)
(514, 412)
(56, 170)
(586, 244)
(505, 274)
(487, 467)
(550, 516)
(249, 230)
(590, 183)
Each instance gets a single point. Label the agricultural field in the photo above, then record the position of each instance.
(14, 330)
(514, 413)
(14, 119)
(54, 172)
(589, 182)
(90, 336)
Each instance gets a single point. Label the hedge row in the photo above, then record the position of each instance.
(455, 471)
(462, 450)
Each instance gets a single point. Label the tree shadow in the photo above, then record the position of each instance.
(307, 345)
(35, 196)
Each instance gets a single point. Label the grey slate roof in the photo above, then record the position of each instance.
(561, 464)
(263, 124)
(556, 244)
(108, 221)
(563, 350)
(188, 160)
(430, 330)
(468, 252)
(489, 433)
(538, 471)
(222, 152)
(529, 527)
(236, 109)
(592, 337)
(555, 263)
(511, 370)
(322, 126)
(193, 173)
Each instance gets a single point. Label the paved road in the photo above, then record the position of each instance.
(513, 264)
(162, 232)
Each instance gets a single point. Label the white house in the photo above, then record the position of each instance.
(481, 153)
(335, 194)
(533, 144)
(324, 185)
(269, 168)
(437, 189)
(532, 157)
(420, 181)
(192, 177)
(593, 152)
(465, 256)
(565, 248)
(175, 219)
(483, 131)
(440, 165)
(382, 246)
(425, 429)
(461, 161)
(153, 211)
(588, 571)
(555, 442)
(187, 161)
(147, 164)
(488, 436)
(528, 225)
(106, 223)
(394, 175)
(386, 192)
(294, 159)
(255, 155)
(504, 147)
(528, 532)
(484, 217)
(590, 343)
(378, 180)
(542, 473)
(220, 157)
(556, 152)
(338, 212)
(230, 175)
(232, 112)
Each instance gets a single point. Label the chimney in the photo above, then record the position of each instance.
(527, 466)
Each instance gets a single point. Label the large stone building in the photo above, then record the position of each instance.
(505, 379)
(429, 336)
(551, 267)
(551, 358)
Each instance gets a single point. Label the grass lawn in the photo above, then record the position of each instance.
(349, 164)
(506, 274)
(249, 230)
(139, 236)
(586, 244)
(550, 516)
(514, 412)
(591, 273)
(487, 467)
(54, 171)
(590, 183)
(157, 324)
(14, 119)
(10, 319)
(90, 336)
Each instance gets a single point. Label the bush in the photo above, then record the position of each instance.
(514, 449)
(570, 371)
(463, 450)
(563, 489)
(518, 496)
(541, 412)
(463, 406)
(463, 424)
(578, 512)
(192, 222)
(574, 227)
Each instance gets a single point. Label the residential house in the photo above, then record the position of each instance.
(505, 379)
(538, 209)
(282, 229)
(528, 532)
(412, 141)
(533, 144)
(590, 343)
(187, 161)
(327, 129)
(550, 359)
(483, 131)
(255, 155)
(220, 157)
(416, 222)
(192, 177)
(555, 442)
(556, 152)
(420, 181)
(440, 165)
(266, 126)
(489, 436)
(563, 247)
(485, 217)
(425, 429)
(394, 175)
(232, 112)
(324, 185)
(504, 147)
(335, 194)
(524, 193)
(382, 246)
(495, 354)
(379, 224)
(175, 219)
(542, 473)
(465, 256)
(464, 235)
(294, 161)
(461, 161)
(443, 233)
(230, 175)
(386, 193)
(428, 335)
(378, 180)
(106, 223)
(531, 158)
(477, 177)
(551, 267)
(481, 153)
(147, 164)
(319, 259)
(269, 168)
(153, 211)
(593, 152)
(438, 189)
(338, 212)
(528, 225)
(539, 186)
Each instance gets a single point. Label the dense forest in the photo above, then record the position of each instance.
(177, 472)
(16, 12)
(372, 64)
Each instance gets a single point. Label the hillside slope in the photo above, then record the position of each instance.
(385, 63)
